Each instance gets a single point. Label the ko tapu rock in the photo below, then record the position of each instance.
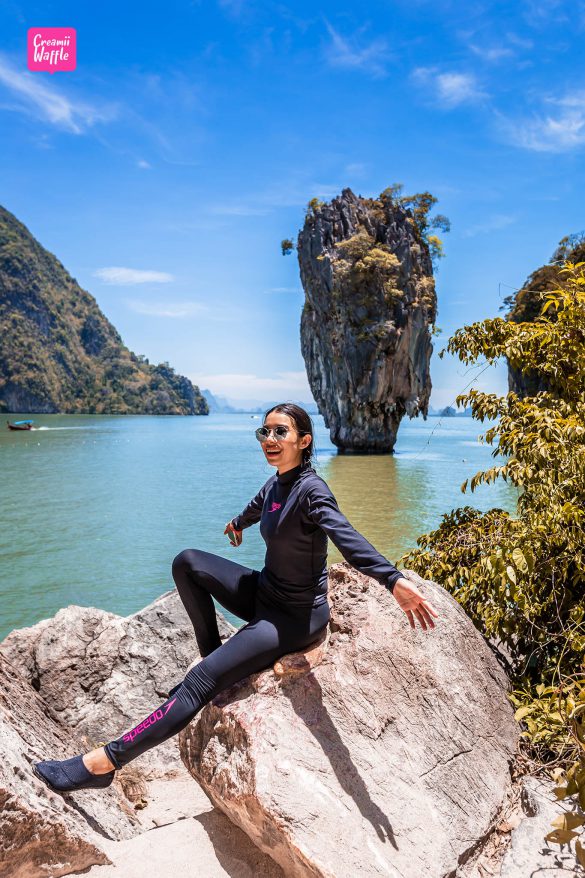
(382, 750)
(369, 307)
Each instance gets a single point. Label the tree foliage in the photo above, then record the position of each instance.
(366, 265)
(521, 578)
(313, 206)
(525, 304)
(420, 204)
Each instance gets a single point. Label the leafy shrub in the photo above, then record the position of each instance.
(522, 578)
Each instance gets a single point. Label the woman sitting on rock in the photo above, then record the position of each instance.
(284, 605)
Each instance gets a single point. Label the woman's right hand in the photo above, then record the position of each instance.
(413, 602)
(237, 534)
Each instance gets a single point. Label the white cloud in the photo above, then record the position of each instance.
(128, 276)
(522, 42)
(456, 88)
(141, 163)
(543, 13)
(451, 89)
(35, 97)
(243, 386)
(174, 310)
(499, 221)
(575, 100)
(565, 132)
(493, 53)
(562, 130)
(345, 52)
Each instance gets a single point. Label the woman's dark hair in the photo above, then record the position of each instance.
(302, 421)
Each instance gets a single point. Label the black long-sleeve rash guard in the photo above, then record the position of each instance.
(297, 512)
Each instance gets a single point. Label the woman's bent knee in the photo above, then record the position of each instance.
(185, 560)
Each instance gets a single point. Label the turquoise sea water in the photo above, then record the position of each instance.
(94, 508)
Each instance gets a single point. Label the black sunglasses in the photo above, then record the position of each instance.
(280, 432)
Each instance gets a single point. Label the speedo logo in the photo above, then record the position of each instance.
(149, 721)
(275, 506)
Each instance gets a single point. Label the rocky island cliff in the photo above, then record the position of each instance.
(369, 306)
(59, 353)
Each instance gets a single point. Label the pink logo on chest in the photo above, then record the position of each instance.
(275, 506)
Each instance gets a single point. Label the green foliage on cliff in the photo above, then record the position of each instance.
(314, 205)
(526, 304)
(420, 206)
(59, 353)
(366, 265)
(522, 578)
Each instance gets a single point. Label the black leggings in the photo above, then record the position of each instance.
(270, 632)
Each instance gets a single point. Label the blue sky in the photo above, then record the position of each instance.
(165, 170)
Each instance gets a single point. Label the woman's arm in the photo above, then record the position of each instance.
(253, 511)
(322, 509)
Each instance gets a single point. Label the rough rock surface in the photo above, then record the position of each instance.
(369, 303)
(529, 854)
(101, 673)
(43, 833)
(185, 837)
(389, 758)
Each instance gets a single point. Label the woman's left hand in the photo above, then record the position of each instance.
(414, 603)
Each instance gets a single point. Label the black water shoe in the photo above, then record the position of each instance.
(67, 775)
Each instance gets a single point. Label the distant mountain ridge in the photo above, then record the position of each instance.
(450, 412)
(221, 405)
(59, 353)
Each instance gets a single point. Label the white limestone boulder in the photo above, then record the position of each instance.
(44, 834)
(100, 673)
(389, 757)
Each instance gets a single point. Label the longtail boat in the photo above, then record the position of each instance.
(20, 425)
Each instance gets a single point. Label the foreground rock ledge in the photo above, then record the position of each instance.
(45, 834)
(390, 757)
(100, 673)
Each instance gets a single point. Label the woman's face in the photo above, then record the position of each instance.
(288, 452)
